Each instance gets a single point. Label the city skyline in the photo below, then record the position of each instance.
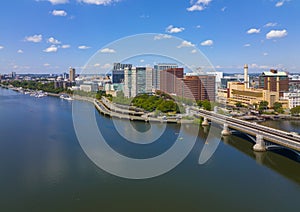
(37, 34)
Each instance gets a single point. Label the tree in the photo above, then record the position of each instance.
(206, 105)
(263, 105)
(238, 104)
(295, 111)
(277, 106)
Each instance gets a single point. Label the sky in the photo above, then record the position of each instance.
(49, 36)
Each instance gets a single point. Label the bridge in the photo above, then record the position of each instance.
(266, 138)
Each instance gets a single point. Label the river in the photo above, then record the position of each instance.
(44, 168)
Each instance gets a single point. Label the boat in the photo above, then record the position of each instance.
(66, 97)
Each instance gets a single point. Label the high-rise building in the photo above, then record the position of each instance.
(200, 87)
(156, 73)
(118, 72)
(170, 79)
(274, 80)
(72, 74)
(137, 80)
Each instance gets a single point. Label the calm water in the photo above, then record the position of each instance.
(43, 168)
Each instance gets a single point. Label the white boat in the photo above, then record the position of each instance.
(66, 97)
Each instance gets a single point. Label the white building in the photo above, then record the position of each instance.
(89, 87)
(293, 98)
(137, 80)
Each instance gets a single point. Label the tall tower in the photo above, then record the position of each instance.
(246, 76)
(72, 74)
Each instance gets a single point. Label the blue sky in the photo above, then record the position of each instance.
(48, 36)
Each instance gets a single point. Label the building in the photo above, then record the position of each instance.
(274, 80)
(169, 79)
(89, 87)
(118, 72)
(72, 74)
(156, 73)
(293, 99)
(137, 80)
(218, 75)
(201, 87)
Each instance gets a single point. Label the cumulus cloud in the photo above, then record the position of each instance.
(253, 31)
(198, 5)
(34, 38)
(107, 50)
(265, 54)
(194, 51)
(276, 34)
(83, 47)
(162, 36)
(1, 47)
(185, 44)
(54, 2)
(59, 13)
(20, 51)
(46, 64)
(97, 65)
(247, 45)
(50, 49)
(172, 29)
(66, 46)
(270, 24)
(279, 4)
(53, 41)
(98, 2)
(207, 43)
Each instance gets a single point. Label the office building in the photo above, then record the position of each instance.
(137, 80)
(274, 80)
(169, 79)
(156, 73)
(72, 74)
(118, 72)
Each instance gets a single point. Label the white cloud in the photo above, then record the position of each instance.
(141, 61)
(53, 41)
(1, 47)
(195, 7)
(34, 38)
(276, 34)
(279, 4)
(172, 29)
(98, 2)
(107, 50)
(83, 47)
(253, 31)
(46, 64)
(66, 46)
(58, 1)
(207, 43)
(106, 66)
(270, 24)
(97, 65)
(265, 54)
(20, 51)
(247, 45)
(185, 44)
(199, 5)
(51, 48)
(194, 51)
(59, 13)
(162, 36)
(223, 9)
(198, 26)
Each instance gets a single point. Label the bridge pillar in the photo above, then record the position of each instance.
(205, 122)
(260, 145)
(225, 131)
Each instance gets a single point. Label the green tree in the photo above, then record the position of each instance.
(277, 106)
(263, 105)
(295, 111)
(238, 104)
(206, 105)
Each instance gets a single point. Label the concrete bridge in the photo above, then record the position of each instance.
(264, 137)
